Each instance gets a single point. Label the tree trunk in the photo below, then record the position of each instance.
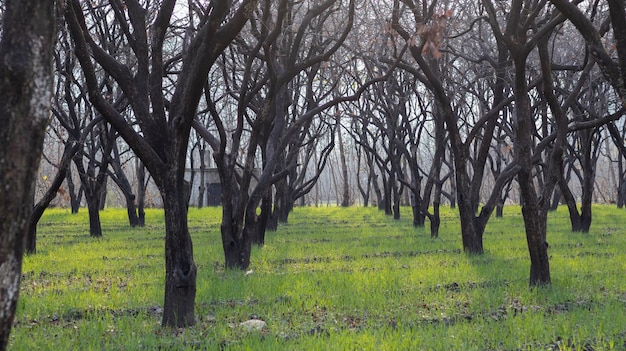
(93, 208)
(589, 176)
(620, 180)
(141, 193)
(74, 198)
(281, 206)
(471, 233)
(570, 201)
(103, 194)
(237, 245)
(272, 219)
(26, 46)
(180, 269)
(236, 242)
(556, 199)
(378, 192)
(131, 210)
(345, 197)
(202, 187)
(387, 196)
(500, 209)
(435, 220)
(535, 224)
(396, 200)
(535, 217)
(264, 218)
(122, 182)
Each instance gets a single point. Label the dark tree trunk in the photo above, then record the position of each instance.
(202, 187)
(364, 190)
(621, 175)
(345, 197)
(500, 209)
(103, 194)
(264, 219)
(435, 220)
(141, 193)
(122, 182)
(589, 177)
(71, 189)
(379, 196)
(237, 245)
(396, 201)
(93, 209)
(535, 224)
(570, 201)
(281, 206)
(236, 240)
(416, 209)
(180, 269)
(131, 210)
(26, 46)
(272, 219)
(453, 192)
(387, 196)
(471, 230)
(535, 217)
(556, 199)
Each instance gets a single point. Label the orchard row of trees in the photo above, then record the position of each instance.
(445, 101)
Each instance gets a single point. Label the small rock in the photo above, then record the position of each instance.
(210, 318)
(253, 325)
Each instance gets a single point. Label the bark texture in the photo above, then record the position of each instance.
(26, 90)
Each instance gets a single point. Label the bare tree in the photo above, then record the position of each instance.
(423, 26)
(294, 39)
(163, 80)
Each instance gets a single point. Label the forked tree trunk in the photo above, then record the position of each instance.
(236, 240)
(122, 182)
(570, 201)
(471, 231)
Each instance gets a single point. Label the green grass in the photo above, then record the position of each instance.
(331, 279)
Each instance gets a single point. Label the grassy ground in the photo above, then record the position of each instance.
(331, 279)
